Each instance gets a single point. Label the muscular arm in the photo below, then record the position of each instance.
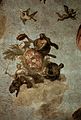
(52, 44)
(53, 56)
(30, 40)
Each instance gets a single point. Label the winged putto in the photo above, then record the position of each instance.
(24, 15)
(69, 13)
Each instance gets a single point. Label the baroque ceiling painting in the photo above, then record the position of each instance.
(40, 60)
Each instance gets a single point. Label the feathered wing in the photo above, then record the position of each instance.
(66, 9)
(33, 14)
(27, 11)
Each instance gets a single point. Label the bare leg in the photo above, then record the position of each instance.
(59, 14)
(33, 83)
(54, 45)
(62, 17)
(17, 91)
(34, 19)
(31, 80)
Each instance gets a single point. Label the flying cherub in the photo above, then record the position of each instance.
(24, 15)
(69, 13)
(43, 1)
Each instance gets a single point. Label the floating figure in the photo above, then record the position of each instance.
(42, 44)
(43, 1)
(69, 13)
(24, 15)
(16, 84)
(19, 81)
(23, 76)
(52, 71)
(78, 38)
(77, 114)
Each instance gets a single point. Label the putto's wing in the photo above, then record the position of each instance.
(73, 17)
(32, 15)
(27, 11)
(66, 9)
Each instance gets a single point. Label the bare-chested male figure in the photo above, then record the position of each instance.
(42, 44)
(21, 71)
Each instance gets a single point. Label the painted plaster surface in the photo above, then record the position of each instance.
(50, 101)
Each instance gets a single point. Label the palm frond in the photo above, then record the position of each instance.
(13, 52)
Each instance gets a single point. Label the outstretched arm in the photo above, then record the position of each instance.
(54, 45)
(50, 55)
(23, 36)
(9, 74)
(30, 40)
